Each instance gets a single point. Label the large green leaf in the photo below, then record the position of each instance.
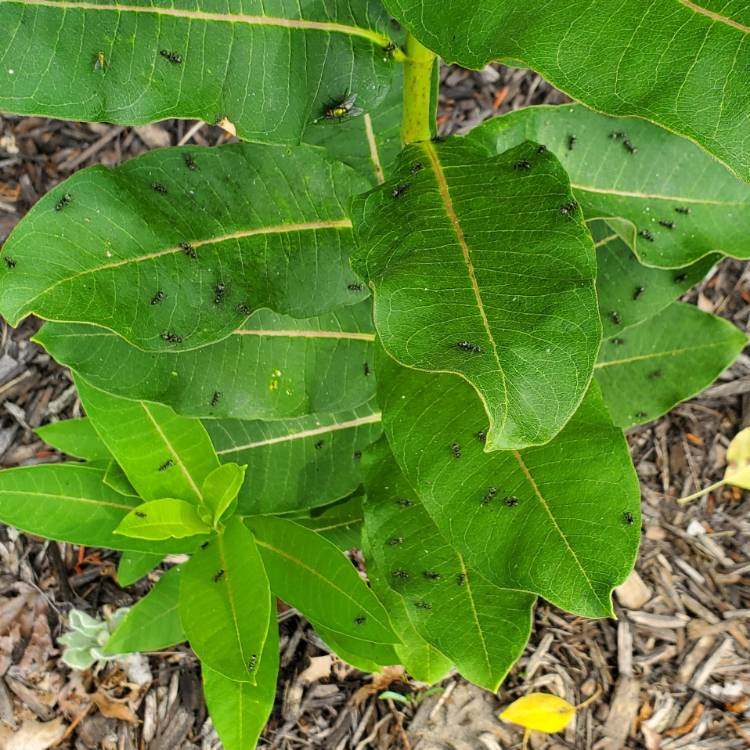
(163, 519)
(268, 227)
(76, 437)
(271, 367)
(70, 502)
(225, 603)
(363, 655)
(293, 464)
(135, 565)
(269, 69)
(684, 64)
(340, 523)
(477, 270)
(481, 627)
(162, 453)
(663, 361)
(537, 519)
(310, 573)
(153, 622)
(239, 710)
(685, 204)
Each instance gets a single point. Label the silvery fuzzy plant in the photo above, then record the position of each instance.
(343, 332)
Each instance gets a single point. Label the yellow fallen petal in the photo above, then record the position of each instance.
(541, 712)
(738, 460)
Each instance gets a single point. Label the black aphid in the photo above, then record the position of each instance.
(219, 292)
(568, 208)
(399, 190)
(667, 224)
(572, 142)
(189, 249)
(64, 201)
(438, 138)
(684, 210)
(467, 346)
(395, 540)
(390, 48)
(628, 517)
(680, 277)
(174, 57)
(360, 620)
(157, 187)
(404, 502)
(522, 164)
(456, 450)
(243, 309)
(617, 342)
(252, 663)
(218, 575)
(431, 575)
(168, 464)
(357, 455)
(204, 545)
(511, 501)
(481, 436)
(171, 338)
(140, 514)
(641, 415)
(416, 167)
(541, 149)
(491, 492)
(9, 262)
(629, 146)
(617, 135)
(615, 317)
(655, 375)
(638, 292)
(158, 297)
(461, 579)
(355, 286)
(190, 162)
(215, 398)
(400, 573)
(366, 369)
(646, 235)
(423, 605)
(319, 445)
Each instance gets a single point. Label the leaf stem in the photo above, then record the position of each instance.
(700, 493)
(418, 68)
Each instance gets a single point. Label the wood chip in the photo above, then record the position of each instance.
(633, 593)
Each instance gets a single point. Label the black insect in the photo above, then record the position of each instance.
(390, 48)
(629, 146)
(431, 575)
(491, 492)
(667, 224)
(456, 450)
(615, 318)
(252, 662)
(399, 190)
(627, 516)
(64, 201)
(357, 455)
(341, 110)
(684, 210)
(404, 502)
(641, 415)
(171, 338)
(174, 57)
(655, 375)
(9, 262)
(204, 545)
(541, 149)
(360, 620)
(168, 464)
(395, 540)
(218, 575)
(638, 292)
(219, 292)
(157, 298)
(617, 135)
(400, 573)
(366, 369)
(423, 605)
(467, 346)
(617, 342)
(319, 445)
(215, 398)
(157, 187)
(438, 138)
(416, 167)
(568, 208)
(461, 579)
(243, 309)
(140, 514)
(572, 142)
(188, 249)
(646, 235)
(355, 286)
(523, 164)
(680, 277)
(190, 162)
(511, 501)
(481, 436)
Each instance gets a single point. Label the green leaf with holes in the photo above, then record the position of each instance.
(163, 519)
(311, 574)
(535, 519)
(174, 258)
(320, 454)
(664, 360)
(272, 366)
(684, 65)
(513, 306)
(441, 595)
(225, 603)
(673, 203)
(270, 71)
(76, 437)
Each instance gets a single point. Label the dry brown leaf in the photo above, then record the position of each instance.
(33, 735)
(689, 725)
(114, 708)
(380, 681)
(739, 706)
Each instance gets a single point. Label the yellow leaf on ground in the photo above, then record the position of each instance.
(738, 460)
(541, 712)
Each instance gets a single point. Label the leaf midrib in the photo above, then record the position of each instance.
(715, 16)
(657, 355)
(653, 196)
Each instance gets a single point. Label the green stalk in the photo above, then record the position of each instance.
(418, 66)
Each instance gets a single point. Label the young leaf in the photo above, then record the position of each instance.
(162, 519)
(661, 57)
(76, 437)
(220, 488)
(320, 454)
(162, 454)
(173, 258)
(310, 573)
(271, 367)
(70, 502)
(153, 623)
(511, 262)
(441, 595)
(239, 710)
(268, 71)
(535, 519)
(225, 603)
(664, 360)
(135, 565)
(676, 203)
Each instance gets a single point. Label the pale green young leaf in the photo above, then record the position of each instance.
(76, 437)
(220, 488)
(513, 307)
(135, 565)
(163, 519)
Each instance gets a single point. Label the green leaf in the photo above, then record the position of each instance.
(272, 366)
(239, 710)
(116, 478)
(704, 207)
(442, 596)
(340, 523)
(320, 455)
(225, 603)
(70, 503)
(135, 565)
(651, 59)
(162, 519)
(363, 655)
(162, 454)
(513, 307)
(153, 623)
(630, 292)
(663, 361)
(310, 573)
(220, 488)
(269, 70)
(76, 437)
(535, 519)
(268, 226)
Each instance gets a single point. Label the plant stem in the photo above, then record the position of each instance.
(700, 493)
(418, 66)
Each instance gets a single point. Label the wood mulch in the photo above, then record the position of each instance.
(674, 667)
